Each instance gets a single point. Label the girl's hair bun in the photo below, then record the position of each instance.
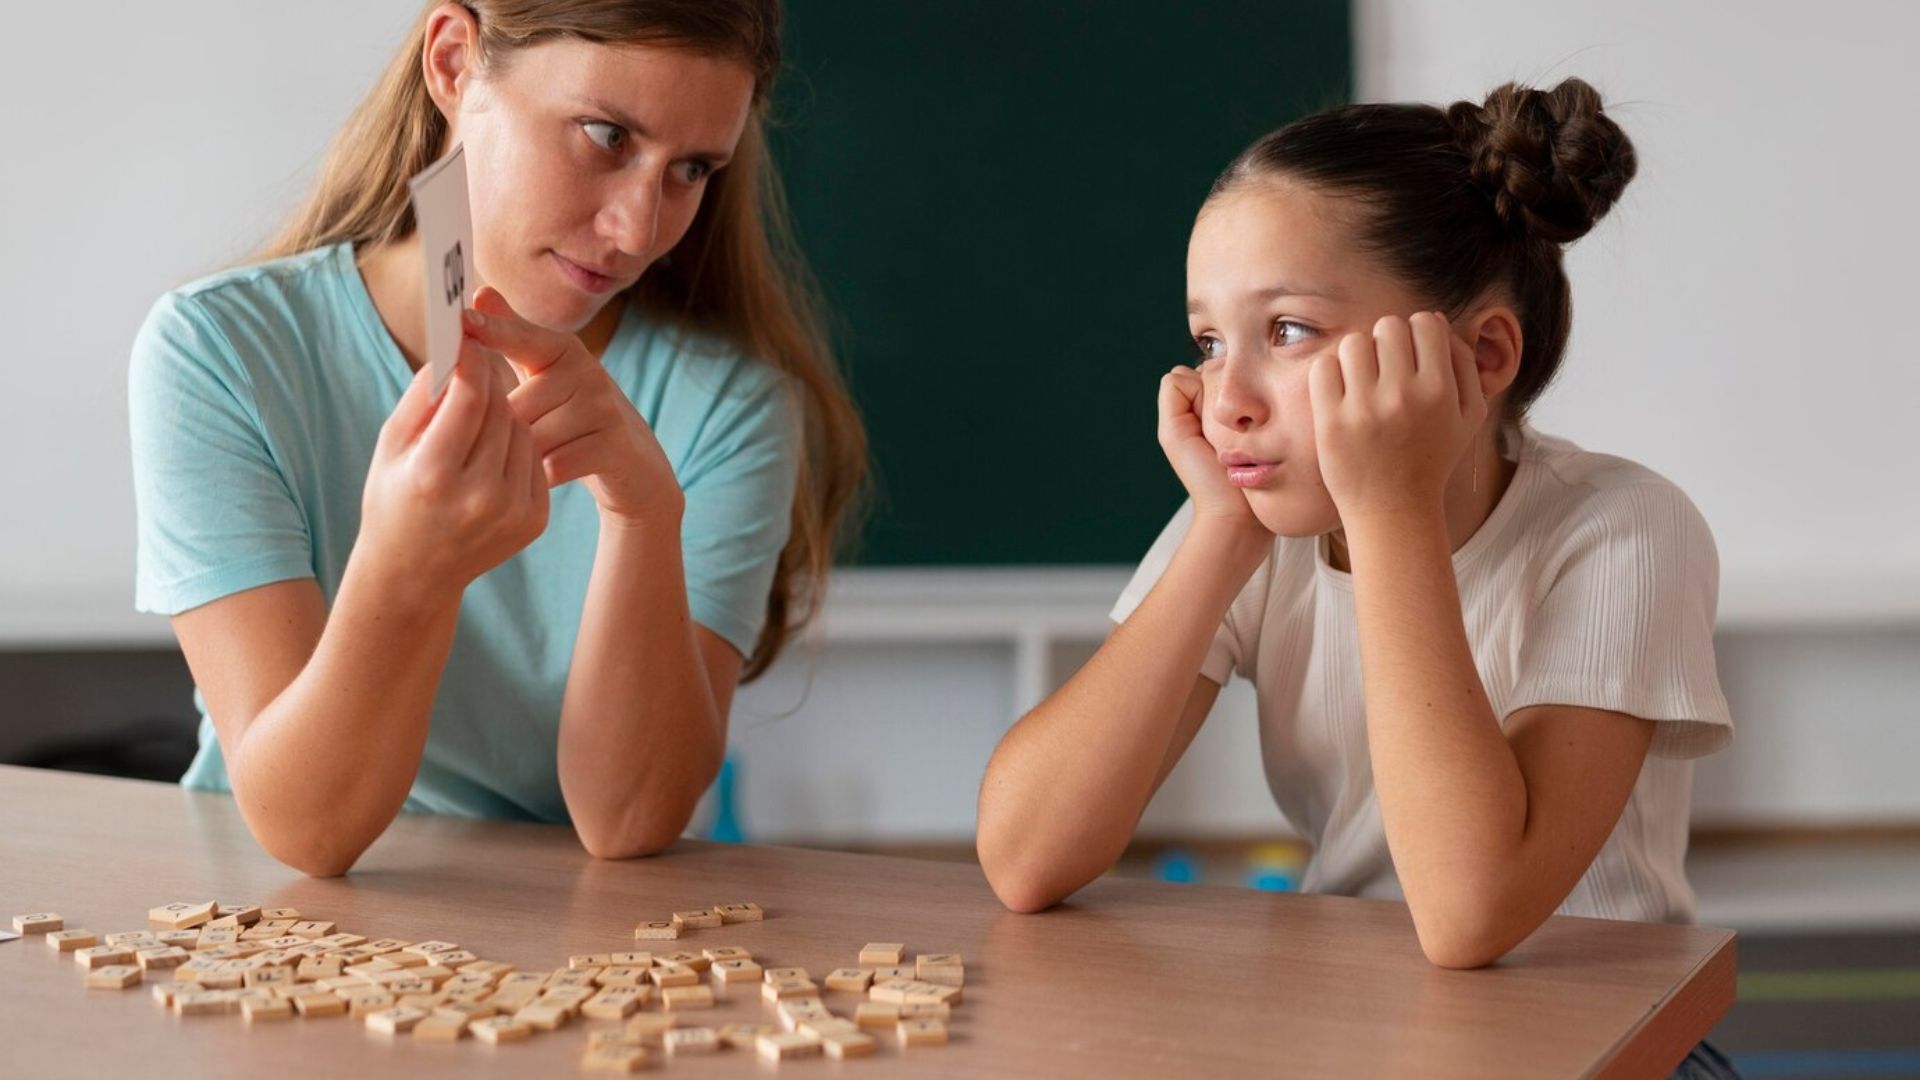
(1551, 160)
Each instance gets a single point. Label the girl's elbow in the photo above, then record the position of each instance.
(1021, 893)
(1458, 952)
(1028, 903)
(1463, 939)
(1016, 886)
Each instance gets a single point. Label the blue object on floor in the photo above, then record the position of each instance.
(1270, 879)
(1274, 868)
(1177, 865)
(726, 818)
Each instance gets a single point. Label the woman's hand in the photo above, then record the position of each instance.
(1194, 459)
(1393, 414)
(455, 487)
(583, 425)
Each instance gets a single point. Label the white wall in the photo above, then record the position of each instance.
(1741, 318)
(1827, 730)
(141, 145)
(1741, 328)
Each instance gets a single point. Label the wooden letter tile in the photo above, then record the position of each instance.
(395, 1021)
(113, 977)
(922, 1033)
(855, 980)
(69, 940)
(42, 923)
(739, 913)
(693, 1040)
(675, 998)
(701, 919)
(180, 916)
(787, 1044)
(500, 1029)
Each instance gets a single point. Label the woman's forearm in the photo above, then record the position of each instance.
(322, 770)
(1069, 782)
(641, 734)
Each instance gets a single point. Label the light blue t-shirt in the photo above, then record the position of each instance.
(256, 397)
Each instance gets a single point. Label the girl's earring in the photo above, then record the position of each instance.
(1476, 476)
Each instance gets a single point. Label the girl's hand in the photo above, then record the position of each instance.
(1194, 459)
(455, 487)
(583, 425)
(1393, 413)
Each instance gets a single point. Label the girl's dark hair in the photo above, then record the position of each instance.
(1468, 199)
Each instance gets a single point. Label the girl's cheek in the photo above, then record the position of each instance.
(1300, 392)
(1209, 429)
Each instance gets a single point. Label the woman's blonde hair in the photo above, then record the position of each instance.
(737, 274)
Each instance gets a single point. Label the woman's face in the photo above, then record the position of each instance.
(587, 162)
(1274, 280)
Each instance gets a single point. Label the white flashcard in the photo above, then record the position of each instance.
(444, 219)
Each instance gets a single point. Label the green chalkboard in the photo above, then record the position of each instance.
(996, 196)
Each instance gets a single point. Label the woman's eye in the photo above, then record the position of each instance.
(1209, 347)
(692, 172)
(604, 135)
(1287, 332)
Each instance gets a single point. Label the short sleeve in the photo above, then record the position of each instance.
(739, 490)
(1626, 623)
(1228, 647)
(215, 513)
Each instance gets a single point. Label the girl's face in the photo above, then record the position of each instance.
(1274, 280)
(587, 162)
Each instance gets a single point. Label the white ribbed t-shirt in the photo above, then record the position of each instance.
(1594, 583)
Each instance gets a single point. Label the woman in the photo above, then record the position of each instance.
(382, 603)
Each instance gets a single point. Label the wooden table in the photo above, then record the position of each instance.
(1132, 978)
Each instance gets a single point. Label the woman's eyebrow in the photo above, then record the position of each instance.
(713, 158)
(1274, 292)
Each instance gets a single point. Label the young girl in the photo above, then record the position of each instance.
(382, 604)
(1483, 656)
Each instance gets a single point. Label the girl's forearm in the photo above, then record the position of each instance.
(325, 767)
(641, 735)
(1452, 796)
(1068, 784)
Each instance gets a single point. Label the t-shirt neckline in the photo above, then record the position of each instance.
(369, 314)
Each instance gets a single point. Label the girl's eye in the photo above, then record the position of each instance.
(1287, 332)
(692, 172)
(604, 135)
(1209, 347)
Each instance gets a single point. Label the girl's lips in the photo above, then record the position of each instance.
(1253, 475)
